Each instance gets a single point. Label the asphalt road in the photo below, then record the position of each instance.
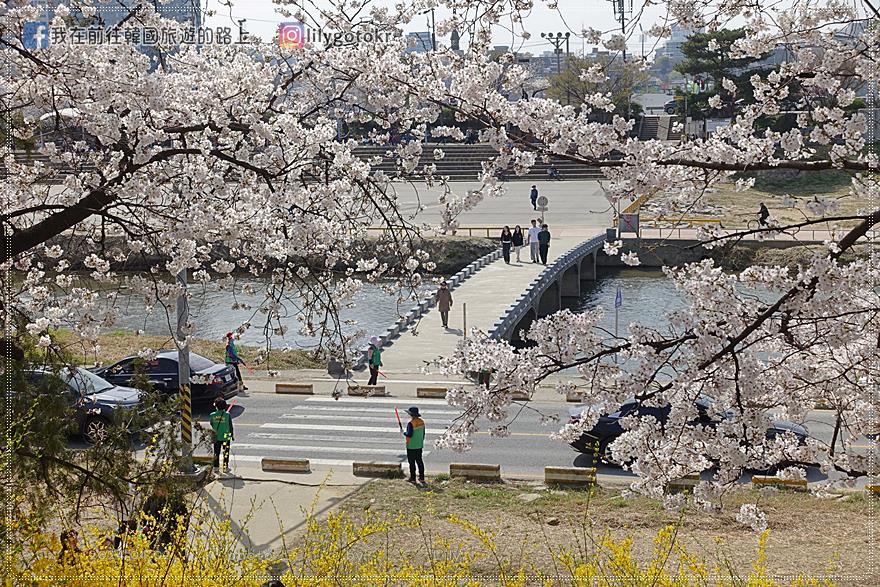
(333, 433)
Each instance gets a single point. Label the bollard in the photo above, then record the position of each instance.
(431, 392)
(571, 477)
(367, 390)
(476, 472)
(388, 470)
(286, 465)
(295, 388)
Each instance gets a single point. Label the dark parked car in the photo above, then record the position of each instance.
(608, 428)
(220, 379)
(96, 402)
(671, 106)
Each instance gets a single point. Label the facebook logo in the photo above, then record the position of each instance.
(36, 35)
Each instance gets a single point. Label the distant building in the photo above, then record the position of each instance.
(672, 47)
(110, 14)
(419, 42)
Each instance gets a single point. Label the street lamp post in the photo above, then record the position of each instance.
(557, 42)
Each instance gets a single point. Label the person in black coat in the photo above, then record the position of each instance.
(506, 242)
(517, 241)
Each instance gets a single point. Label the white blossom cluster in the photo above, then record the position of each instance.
(225, 162)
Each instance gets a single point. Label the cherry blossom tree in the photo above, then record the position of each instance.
(225, 160)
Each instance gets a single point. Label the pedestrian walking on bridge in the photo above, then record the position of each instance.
(415, 442)
(506, 242)
(532, 240)
(444, 303)
(544, 242)
(517, 241)
(232, 358)
(534, 197)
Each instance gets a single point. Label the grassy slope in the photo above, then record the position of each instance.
(116, 345)
(807, 534)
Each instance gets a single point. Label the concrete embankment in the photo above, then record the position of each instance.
(449, 253)
(734, 257)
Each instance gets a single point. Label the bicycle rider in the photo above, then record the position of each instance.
(763, 214)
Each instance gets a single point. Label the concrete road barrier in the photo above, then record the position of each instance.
(574, 396)
(873, 490)
(768, 481)
(295, 388)
(571, 477)
(521, 396)
(431, 392)
(686, 483)
(389, 470)
(286, 465)
(476, 472)
(203, 459)
(368, 390)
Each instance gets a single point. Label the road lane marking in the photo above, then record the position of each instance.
(277, 436)
(401, 401)
(354, 417)
(344, 449)
(393, 381)
(370, 410)
(330, 427)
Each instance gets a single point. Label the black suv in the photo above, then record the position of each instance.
(208, 379)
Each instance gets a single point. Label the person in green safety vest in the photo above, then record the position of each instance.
(221, 424)
(375, 359)
(415, 441)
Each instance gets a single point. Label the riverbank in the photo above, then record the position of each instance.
(449, 254)
(116, 345)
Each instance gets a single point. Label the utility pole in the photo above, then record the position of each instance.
(183, 374)
(557, 42)
(620, 12)
(433, 32)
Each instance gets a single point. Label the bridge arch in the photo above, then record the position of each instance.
(570, 282)
(516, 335)
(588, 266)
(550, 300)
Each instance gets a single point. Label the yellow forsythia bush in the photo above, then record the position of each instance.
(339, 552)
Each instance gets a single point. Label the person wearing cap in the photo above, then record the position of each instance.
(444, 303)
(232, 357)
(221, 424)
(415, 442)
(375, 360)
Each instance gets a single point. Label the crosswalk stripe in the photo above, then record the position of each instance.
(370, 410)
(359, 439)
(330, 427)
(402, 402)
(343, 449)
(353, 417)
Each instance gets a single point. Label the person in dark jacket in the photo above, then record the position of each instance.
(763, 214)
(506, 242)
(415, 441)
(232, 358)
(544, 242)
(534, 197)
(375, 360)
(444, 303)
(517, 241)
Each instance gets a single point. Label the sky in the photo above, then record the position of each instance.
(262, 21)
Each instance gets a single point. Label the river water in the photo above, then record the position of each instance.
(646, 297)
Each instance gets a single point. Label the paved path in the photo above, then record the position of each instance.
(487, 294)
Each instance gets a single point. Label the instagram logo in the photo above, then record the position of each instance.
(291, 34)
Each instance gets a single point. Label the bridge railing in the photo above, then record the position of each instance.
(526, 300)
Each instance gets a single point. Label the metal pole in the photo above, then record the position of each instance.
(183, 375)
(464, 317)
(433, 32)
(616, 315)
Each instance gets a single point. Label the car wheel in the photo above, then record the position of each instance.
(95, 430)
(604, 454)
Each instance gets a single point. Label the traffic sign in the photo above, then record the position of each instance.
(543, 201)
(543, 208)
(618, 299)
